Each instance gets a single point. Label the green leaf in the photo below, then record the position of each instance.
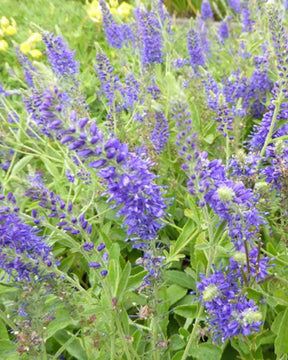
(176, 342)
(74, 347)
(21, 164)
(122, 286)
(52, 169)
(135, 280)
(114, 273)
(206, 351)
(3, 331)
(281, 342)
(175, 293)
(179, 278)
(188, 235)
(184, 332)
(6, 349)
(186, 311)
(277, 322)
(209, 139)
(178, 355)
(63, 319)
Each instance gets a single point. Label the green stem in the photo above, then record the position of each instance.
(193, 335)
(277, 103)
(227, 150)
(155, 349)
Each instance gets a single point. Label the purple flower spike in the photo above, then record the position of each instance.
(206, 11)
(61, 58)
(195, 50)
(149, 31)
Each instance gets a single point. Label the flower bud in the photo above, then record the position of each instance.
(225, 194)
(210, 292)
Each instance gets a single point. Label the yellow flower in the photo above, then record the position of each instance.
(94, 11)
(124, 9)
(35, 53)
(4, 22)
(34, 38)
(113, 11)
(10, 30)
(114, 3)
(25, 47)
(1, 33)
(3, 45)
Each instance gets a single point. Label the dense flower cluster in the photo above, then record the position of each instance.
(109, 81)
(130, 184)
(113, 31)
(229, 311)
(149, 32)
(60, 57)
(206, 11)
(160, 133)
(24, 254)
(195, 50)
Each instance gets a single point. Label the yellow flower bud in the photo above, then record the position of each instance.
(25, 47)
(35, 53)
(34, 38)
(3, 45)
(4, 22)
(124, 9)
(10, 30)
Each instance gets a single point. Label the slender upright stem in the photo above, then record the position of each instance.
(193, 334)
(273, 122)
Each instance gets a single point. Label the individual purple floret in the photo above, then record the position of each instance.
(149, 33)
(235, 5)
(223, 31)
(60, 57)
(113, 31)
(206, 11)
(160, 134)
(195, 50)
